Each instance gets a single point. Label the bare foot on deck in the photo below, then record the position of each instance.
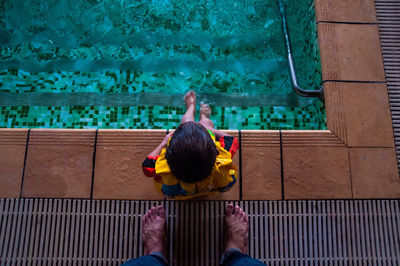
(236, 228)
(190, 99)
(205, 110)
(154, 231)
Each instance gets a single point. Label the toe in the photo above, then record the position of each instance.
(187, 95)
(229, 210)
(237, 210)
(146, 216)
(244, 218)
(241, 212)
(161, 211)
(149, 215)
(190, 98)
(153, 211)
(205, 108)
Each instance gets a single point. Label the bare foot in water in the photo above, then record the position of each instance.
(154, 231)
(190, 100)
(236, 228)
(205, 110)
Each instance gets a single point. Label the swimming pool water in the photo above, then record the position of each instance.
(127, 64)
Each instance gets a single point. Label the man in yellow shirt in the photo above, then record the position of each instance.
(194, 160)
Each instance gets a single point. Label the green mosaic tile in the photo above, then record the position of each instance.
(160, 117)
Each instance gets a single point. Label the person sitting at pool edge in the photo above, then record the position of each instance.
(194, 160)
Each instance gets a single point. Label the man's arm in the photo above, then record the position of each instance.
(162, 145)
(149, 164)
(228, 142)
(220, 134)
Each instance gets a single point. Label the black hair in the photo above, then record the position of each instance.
(191, 153)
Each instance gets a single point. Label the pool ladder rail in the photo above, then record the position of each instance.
(297, 89)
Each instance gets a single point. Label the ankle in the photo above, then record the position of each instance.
(153, 250)
(191, 108)
(233, 246)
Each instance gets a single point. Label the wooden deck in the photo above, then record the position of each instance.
(107, 232)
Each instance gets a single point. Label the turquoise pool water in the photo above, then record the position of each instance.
(127, 64)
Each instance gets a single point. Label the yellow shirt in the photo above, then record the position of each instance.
(221, 179)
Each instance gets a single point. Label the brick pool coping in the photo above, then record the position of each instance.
(354, 158)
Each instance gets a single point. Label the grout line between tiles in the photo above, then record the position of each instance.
(351, 174)
(240, 166)
(94, 163)
(351, 23)
(281, 160)
(370, 147)
(23, 169)
(353, 81)
(341, 97)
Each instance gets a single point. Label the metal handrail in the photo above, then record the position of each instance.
(305, 93)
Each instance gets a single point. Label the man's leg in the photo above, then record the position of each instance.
(146, 261)
(154, 234)
(190, 101)
(236, 238)
(205, 113)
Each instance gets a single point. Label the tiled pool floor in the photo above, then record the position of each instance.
(96, 65)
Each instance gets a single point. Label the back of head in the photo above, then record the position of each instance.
(191, 153)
